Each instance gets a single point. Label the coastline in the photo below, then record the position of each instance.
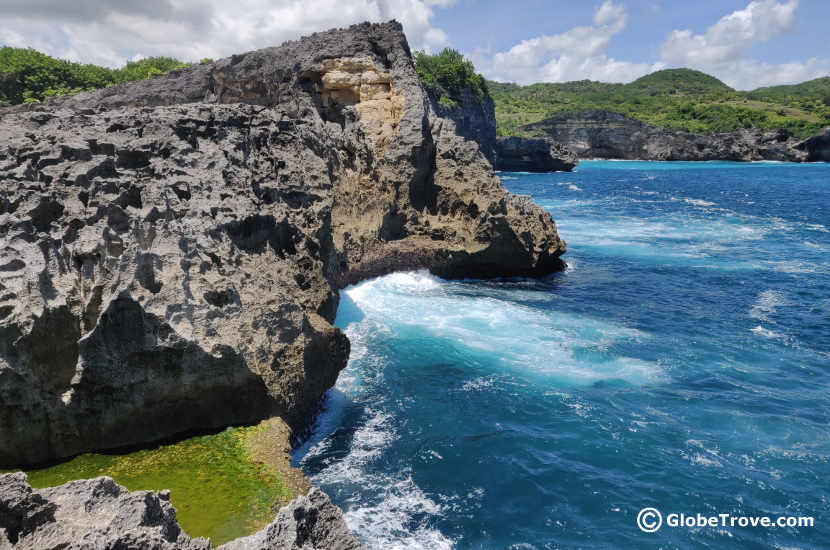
(181, 242)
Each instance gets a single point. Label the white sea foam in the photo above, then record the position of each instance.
(388, 522)
(388, 506)
(494, 324)
(693, 202)
(766, 304)
(765, 333)
(702, 455)
(479, 383)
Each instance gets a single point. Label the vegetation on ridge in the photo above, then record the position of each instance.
(449, 75)
(681, 99)
(27, 75)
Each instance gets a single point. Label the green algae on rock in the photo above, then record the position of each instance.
(220, 486)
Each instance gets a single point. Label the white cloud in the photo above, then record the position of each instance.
(576, 54)
(111, 32)
(610, 13)
(723, 49)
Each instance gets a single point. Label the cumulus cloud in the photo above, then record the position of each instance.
(576, 54)
(724, 48)
(732, 36)
(110, 32)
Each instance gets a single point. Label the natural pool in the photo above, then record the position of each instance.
(224, 485)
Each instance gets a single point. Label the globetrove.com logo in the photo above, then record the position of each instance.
(650, 520)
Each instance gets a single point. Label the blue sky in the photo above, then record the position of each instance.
(746, 44)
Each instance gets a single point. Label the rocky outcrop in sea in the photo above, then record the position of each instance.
(817, 148)
(172, 249)
(603, 134)
(517, 154)
(99, 513)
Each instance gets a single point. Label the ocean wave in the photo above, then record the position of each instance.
(495, 325)
(393, 512)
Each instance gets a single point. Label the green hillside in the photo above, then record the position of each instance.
(802, 95)
(682, 99)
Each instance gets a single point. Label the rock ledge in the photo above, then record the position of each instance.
(98, 513)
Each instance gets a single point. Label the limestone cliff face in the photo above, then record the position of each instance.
(171, 250)
(602, 134)
(474, 119)
(517, 154)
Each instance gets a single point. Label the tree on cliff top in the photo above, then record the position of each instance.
(449, 75)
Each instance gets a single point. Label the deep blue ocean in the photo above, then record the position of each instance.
(681, 362)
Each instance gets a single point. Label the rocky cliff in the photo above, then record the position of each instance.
(474, 119)
(99, 513)
(172, 249)
(517, 154)
(602, 134)
(816, 148)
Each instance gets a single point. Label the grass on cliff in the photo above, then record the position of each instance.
(218, 487)
(449, 75)
(680, 99)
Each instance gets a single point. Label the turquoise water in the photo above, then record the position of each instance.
(682, 362)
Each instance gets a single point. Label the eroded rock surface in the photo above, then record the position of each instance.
(99, 514)
(171, 249)
(309, 521)
(88, 514)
